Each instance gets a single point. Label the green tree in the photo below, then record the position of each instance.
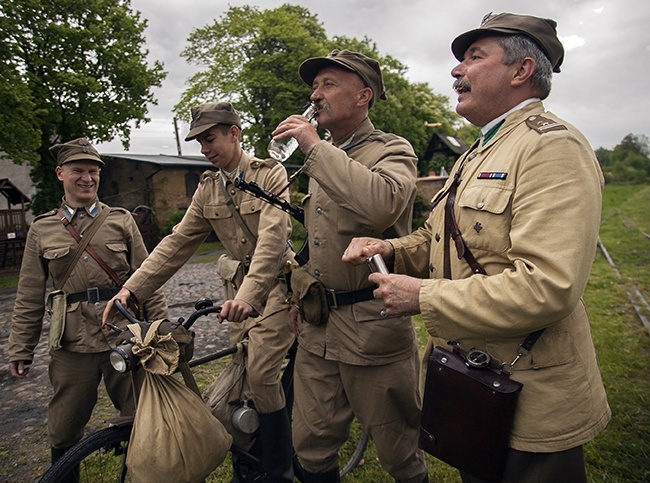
(604, 156)
(250, 57)
(628, 162)
(77, 69)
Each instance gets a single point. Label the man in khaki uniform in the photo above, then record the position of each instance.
(527, 206)
(358, 363)
(256, 238)
(77, 367)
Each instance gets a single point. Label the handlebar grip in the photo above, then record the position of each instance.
(125, 312)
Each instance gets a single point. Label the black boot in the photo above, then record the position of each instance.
(276, 445)
(73, 476)
(245, 470)
(331, 476)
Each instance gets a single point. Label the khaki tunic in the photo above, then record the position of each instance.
(364, 187)
(534, 228)
(358, 363)
(208, 212)
(270, 334)
(48, 250)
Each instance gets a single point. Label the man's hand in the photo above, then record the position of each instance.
(400, 293)
(235, 311)
(362, 248)
(300, 128)
(19, 369)
(294, 319)
(124, 295)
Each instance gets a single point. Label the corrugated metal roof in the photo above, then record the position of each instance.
(163, 159)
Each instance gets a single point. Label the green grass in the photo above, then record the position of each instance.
(8, 281)
(621, 453)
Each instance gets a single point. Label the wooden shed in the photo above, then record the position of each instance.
(13, 225)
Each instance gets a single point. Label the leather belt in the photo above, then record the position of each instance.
(347, 297)
(92, 295)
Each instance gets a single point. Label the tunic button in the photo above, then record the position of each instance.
(316, 242)
(480, 205)
(437, 237)
(472, 155)
(243, 240)
(85, 258)
(319, 211)
(316, 273)
(431, 267)
(82, 216)
(232, 192)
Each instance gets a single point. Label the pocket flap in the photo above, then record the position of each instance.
(485, 198)
(56, 252)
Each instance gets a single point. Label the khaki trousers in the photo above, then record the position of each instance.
(385, 399)
(75, 378)
(270, 337)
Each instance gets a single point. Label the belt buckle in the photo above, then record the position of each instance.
(93, 295)
(335, 303)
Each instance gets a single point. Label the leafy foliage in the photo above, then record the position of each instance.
(628, 162)
(70, 69)
(250, 57)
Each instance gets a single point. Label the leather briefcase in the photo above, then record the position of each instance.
(467, 413)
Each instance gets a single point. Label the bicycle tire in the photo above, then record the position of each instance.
(357, 455)
(101, 457)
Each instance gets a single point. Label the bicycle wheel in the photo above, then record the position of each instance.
(100, 457)
(356, 456)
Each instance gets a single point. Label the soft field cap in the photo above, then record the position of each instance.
(365, 67)
(541, 30)
(208, 115)
(75, 150)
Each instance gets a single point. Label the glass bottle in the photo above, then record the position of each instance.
(281, 149)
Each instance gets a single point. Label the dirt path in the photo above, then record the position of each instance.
(24, 449)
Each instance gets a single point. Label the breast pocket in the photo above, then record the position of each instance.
(251, 207)
(216, 212)
(484, 218)
(118, 252)
(57, 258)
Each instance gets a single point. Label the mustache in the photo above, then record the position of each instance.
(462, 85)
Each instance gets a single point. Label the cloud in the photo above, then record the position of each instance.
(602, 87)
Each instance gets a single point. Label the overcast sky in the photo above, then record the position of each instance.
(602, 89)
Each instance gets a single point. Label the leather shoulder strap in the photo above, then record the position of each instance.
(84, 245)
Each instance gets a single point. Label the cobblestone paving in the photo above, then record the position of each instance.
(24, 450)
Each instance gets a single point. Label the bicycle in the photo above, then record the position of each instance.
(101, 456)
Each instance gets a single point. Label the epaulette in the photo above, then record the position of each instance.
(268, 162)
(209, 174)
(543, 124)
(382, 136)
(47, 213)
(119, 208)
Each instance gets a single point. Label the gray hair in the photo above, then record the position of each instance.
(516, 47)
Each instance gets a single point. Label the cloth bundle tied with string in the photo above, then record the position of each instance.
(174, 436)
